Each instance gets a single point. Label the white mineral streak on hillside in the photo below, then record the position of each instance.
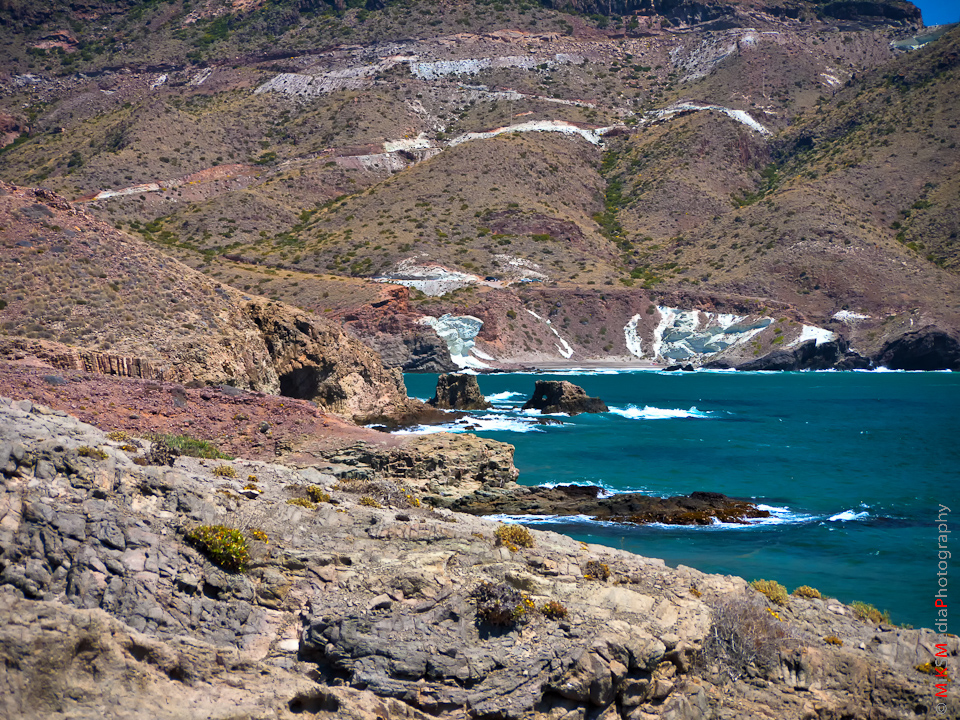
(846, 316)
(740, 116)
(632, 339)
(565, 350)
(471, 66)
(133, 190)
(559, 126)
(201, 77)
(459, 333)
(700, 59)
(380, 162)
(309, 86)
(158, 82)
(695, 335)
(811, 332)
(306, 85)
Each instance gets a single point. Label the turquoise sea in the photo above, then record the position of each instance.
(854, 467)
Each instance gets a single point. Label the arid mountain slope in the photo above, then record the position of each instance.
(778, 157)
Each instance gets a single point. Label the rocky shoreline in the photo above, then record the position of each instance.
(356, 600)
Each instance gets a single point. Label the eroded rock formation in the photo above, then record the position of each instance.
(320, 362)
(458, 392)
(560, 396)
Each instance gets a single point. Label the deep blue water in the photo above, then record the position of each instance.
(855, 464)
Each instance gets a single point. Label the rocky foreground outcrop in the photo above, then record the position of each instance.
(347, 598)
(560, 396)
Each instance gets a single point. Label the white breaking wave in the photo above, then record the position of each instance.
(504, 396)
(478, 423)
(652, 413)
(849, 515)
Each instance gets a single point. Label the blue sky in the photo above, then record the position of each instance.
(938, 12)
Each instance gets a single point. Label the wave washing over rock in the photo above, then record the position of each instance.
(346, 597)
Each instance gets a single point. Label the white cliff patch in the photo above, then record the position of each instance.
(419, 142)
(693, 335)
(632, 338)
(564, 347)
(846, 316)
(811, 332)
(158, 82)
(459, 332)
(434, 280)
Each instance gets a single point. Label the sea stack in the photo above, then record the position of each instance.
(560, 396)
(458, 392)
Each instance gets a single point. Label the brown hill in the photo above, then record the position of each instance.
(76, 293)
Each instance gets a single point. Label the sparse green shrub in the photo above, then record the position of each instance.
(695, 592)
(118, 436)
(226, 547)
(224, 471)
(807, 592)
(500, 604)
(368, 501)
(302, 502)
(833, 640)
(865, 611)
(775, 592)
(596, 570)
(554, 610)
(91, 452)
(513, 537)
(317, 494)
(191, 446)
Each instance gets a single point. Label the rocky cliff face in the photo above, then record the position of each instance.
(318, 361)
(339, 608)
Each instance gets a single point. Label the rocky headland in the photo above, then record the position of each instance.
(246, 588)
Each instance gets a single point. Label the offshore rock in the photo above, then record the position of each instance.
(458, 392)
(809, 355)
(924, 349)
(560, 396)
(698, 508)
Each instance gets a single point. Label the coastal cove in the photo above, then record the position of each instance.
(852, 466)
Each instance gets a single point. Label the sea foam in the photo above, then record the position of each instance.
(632, 412)
(848, 515)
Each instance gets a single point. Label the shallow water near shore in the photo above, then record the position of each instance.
(853, 467)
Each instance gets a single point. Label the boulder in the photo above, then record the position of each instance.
(458, 392)
(560, 396)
